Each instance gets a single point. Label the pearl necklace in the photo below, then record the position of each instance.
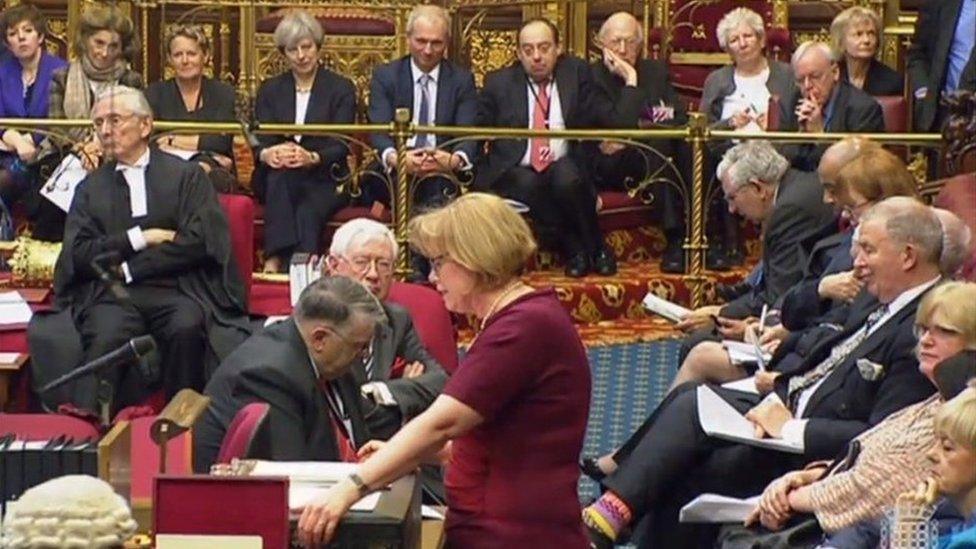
(496, 303)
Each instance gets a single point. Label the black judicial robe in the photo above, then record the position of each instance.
(179, 197)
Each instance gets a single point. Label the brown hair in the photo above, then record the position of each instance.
(876, 174)
(23, 12)
(104, 17)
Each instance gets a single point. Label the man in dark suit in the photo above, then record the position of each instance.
(300, 368)
(941, 59)
(854, 379)
(824, 103)
(759, 185)
(398, 377)
(612, 163)
(153, 221)
(549, 90)
(438, 93)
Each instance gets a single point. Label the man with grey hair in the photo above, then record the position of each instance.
(823, 102)
(300, 368)
(854, 377)
(623, 73)
(957, 245)
(147, 250)
(437, 92)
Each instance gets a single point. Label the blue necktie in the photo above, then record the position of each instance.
(423, 118)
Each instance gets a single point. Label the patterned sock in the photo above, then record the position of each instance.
(609, 515)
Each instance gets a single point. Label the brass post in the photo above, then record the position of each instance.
(401, 204)
(695, 242)
(144, 18)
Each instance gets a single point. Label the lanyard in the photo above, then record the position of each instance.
(545, 108)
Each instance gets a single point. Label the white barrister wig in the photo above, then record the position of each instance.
(73, 511)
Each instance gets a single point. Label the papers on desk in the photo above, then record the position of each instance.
(311, 479)
(715, 509)
(60, 187)
(665, 308)
(747, 385)
(14, 309)
(741, 352)
(720, 420)
(180, 153)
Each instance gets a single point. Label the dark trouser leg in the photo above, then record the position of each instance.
(178, 325)
(671, 445)
(529, 188)
(105, 326)
(280, 201)
(316, 204)
(575, 200)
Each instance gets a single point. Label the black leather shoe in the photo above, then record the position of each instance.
(590, 468)
(673, 260)
(604, 264)
(577, 266)
(598, 540)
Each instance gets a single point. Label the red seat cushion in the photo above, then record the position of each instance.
(241, 431)
(239, 210)
(619, 211)
(46, 427)
(432, 320)
(895, 110)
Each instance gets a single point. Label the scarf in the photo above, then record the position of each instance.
(85, 82)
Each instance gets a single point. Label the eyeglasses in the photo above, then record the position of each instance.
(361, 349)
(362, 264)
(437, 263)
(935, 330)
(113, 120)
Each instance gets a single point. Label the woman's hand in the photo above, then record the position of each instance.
(732, 328)
(699, 318)
(320, 519)
(276, 157)
(367, 450)
(26, 150)
(925, 494)
(740, 119)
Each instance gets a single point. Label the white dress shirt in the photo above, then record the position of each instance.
(794, 429)
(301, 109)
(557, 147)
(135, 178)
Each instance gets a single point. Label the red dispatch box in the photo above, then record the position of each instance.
(208, 505)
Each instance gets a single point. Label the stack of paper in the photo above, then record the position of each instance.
(665, 308)
(13, 309)
(60, 187)
(304, 269)
(716, 509)
(746, 353)
(719, 419)
(309, 480)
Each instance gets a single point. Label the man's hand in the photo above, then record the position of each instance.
(446, 161)
(766, 381)
(618, 66)
(699, 318)
(769, 416)
(840, 286)
(414, 369)
(610, 148)
(26, 150)
(155, 237)
(809, 114)
(732, 328)
(90, 154)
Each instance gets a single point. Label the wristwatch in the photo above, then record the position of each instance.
(360, 485)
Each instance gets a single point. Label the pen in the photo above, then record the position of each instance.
(762, 321)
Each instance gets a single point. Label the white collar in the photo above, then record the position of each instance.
(416, 72)
(905, 297)
(141, 163)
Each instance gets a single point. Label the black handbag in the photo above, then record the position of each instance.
(801, 533)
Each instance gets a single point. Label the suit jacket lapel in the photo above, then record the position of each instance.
(445, 90)
(403, 87)
(288, 99)
(567, 83)
(383, 351)
(520, 96)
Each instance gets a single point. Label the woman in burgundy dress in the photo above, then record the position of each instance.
(510, 423)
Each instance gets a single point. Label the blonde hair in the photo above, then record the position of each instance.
(843, 21)
(481, 233)
(952, 305)
(956, 419)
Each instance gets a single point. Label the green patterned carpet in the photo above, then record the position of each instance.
(628, 382)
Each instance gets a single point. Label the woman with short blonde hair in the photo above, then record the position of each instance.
(874, 175)
(511, 420)
(855, 35)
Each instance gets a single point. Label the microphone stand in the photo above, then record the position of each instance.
(105, 391)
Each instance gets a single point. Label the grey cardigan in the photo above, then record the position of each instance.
(720, 84)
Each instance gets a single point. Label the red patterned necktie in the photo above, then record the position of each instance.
(347, 452)
(541, 155)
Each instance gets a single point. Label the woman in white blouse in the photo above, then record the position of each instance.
(295, 175)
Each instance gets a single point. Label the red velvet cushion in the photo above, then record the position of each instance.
(241, 431)
(895, 109)
(958, 195)
(433, 322)
(144, 457)
(336, 21)
(46, 426)
(240, 217)
(698, 31)
(620, 211)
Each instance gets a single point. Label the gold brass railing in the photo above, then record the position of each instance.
(696, 133)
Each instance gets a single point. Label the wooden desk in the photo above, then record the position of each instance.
(7, 371)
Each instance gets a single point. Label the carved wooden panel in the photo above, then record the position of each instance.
(490, 50)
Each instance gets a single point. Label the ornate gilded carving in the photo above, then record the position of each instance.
(822, 35)
(491, 50)
(32, 263)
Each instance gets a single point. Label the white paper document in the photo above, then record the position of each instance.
(719, 419)
(60, 187)
(715, 509)
(747, 385)
(301, 494)
(665, 308)
(14, 309)
(9, 358)
(741, 352)
(308, 480)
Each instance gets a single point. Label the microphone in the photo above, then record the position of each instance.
(132, 350)
(110, 277)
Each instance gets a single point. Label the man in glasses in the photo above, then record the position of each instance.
(300, 367)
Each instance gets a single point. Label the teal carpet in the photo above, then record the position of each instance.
(628, 382)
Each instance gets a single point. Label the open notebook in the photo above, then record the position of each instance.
(719, 419)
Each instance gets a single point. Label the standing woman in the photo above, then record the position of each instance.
(854, 35)
(295, 174)
(190, 96)
(25, 81)
(510, 422)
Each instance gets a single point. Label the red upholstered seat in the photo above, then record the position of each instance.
(242, 432)
(432, 320)
(144, 456)
(46, 426)
(619, 211)
(240, 218)
(958, 195)
(337, 21)
(895, 109)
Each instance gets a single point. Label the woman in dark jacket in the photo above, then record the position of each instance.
(854, 35)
